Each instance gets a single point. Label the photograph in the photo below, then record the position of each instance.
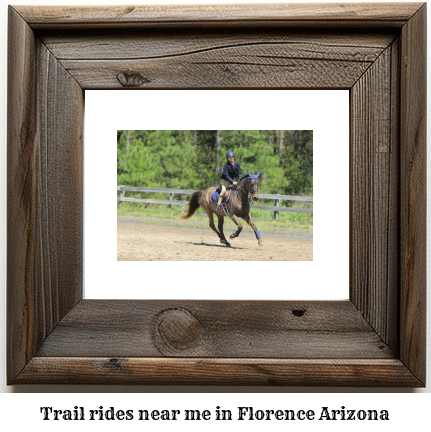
(168, 182)
(191, 278)
(215, 195)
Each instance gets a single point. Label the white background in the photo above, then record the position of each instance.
(324, 278)
(22, 410)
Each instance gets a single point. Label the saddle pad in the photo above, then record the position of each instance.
(216, 194)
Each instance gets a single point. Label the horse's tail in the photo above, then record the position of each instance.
(194, 204)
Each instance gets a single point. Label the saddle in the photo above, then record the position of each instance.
(215, 195)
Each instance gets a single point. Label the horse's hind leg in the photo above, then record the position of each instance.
(212, 225)
(238, 224)
(256, 232)
(220, 227)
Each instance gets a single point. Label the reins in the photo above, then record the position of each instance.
(237, 186)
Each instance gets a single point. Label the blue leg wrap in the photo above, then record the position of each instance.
(257, 234)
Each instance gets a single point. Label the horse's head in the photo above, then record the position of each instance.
(253, 182)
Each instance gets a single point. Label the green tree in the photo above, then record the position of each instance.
(187, 159)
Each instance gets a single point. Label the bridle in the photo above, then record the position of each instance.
(252, 187)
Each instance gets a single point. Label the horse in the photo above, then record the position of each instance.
(237, 205)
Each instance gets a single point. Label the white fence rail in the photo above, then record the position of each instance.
(276, 197)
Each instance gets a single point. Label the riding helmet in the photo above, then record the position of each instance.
(229, 154)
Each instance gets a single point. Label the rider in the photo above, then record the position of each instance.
(230, 170)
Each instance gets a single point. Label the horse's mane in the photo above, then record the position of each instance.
(243, 178)
(240, 181)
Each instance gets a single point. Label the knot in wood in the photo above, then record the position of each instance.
(131, 79)
(115, 363)
(178, 329)
(298, 312)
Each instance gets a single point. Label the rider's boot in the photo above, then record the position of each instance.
(220, 198)
(218, 208)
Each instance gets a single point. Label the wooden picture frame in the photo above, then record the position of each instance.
(376, 338)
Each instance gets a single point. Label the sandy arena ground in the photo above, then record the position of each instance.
(140, 241)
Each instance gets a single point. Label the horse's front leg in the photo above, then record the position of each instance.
(220, 228)
(238, 224)
(256, 232)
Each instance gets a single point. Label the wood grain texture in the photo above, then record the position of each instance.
(240, 329)
(413, 193)
(376, 338)
(300, 14)
(44, 193)
(59, 165)
(374, 195)
(140, 44)
(21, 194)
(211, 60)
(218, 371)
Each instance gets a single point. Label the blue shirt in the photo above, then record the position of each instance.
(229, 172)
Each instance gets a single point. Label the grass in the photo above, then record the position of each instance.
(286, 221)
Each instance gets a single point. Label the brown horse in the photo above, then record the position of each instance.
(237, 205)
